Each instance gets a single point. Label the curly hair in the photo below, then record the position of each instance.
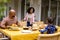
(30, 9)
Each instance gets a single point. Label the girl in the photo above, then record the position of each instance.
(30, 16)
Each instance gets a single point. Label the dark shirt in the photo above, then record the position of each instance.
(50, 29)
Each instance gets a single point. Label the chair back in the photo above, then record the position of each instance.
(54, 36)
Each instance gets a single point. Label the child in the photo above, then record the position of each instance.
(50, 29)
(30, 16)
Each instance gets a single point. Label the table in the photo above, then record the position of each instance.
(18, 35)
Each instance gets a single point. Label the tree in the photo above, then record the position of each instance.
(3, 7)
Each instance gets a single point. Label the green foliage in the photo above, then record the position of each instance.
(4, 1)
(3, 7)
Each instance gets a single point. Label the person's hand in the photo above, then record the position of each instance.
(3, 27)
(33, 22)
(20, 24)
(8, 27)
(23, 20)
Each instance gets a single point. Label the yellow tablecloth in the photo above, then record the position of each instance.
(18, 35)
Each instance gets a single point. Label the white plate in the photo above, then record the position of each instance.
(26, 31)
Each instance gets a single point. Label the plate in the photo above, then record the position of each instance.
(26, 31)
(14, 29)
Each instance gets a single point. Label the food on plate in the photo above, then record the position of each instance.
(14, 28)
(14, 25)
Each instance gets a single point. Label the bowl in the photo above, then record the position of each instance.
(26, 28)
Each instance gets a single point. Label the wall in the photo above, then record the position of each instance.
(16, 4)
(37, 5)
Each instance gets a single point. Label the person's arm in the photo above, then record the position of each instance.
(18, 23)
(33, 18)
(3, 23)
(25, 18)
(44, 30)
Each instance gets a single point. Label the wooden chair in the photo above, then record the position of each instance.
(2, 36)
(54, 36)
(4, 39)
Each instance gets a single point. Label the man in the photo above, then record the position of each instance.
(10, 19)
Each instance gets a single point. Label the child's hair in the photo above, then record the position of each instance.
(50, 20)
(30, 9)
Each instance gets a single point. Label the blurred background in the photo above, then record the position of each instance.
(43, 9)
